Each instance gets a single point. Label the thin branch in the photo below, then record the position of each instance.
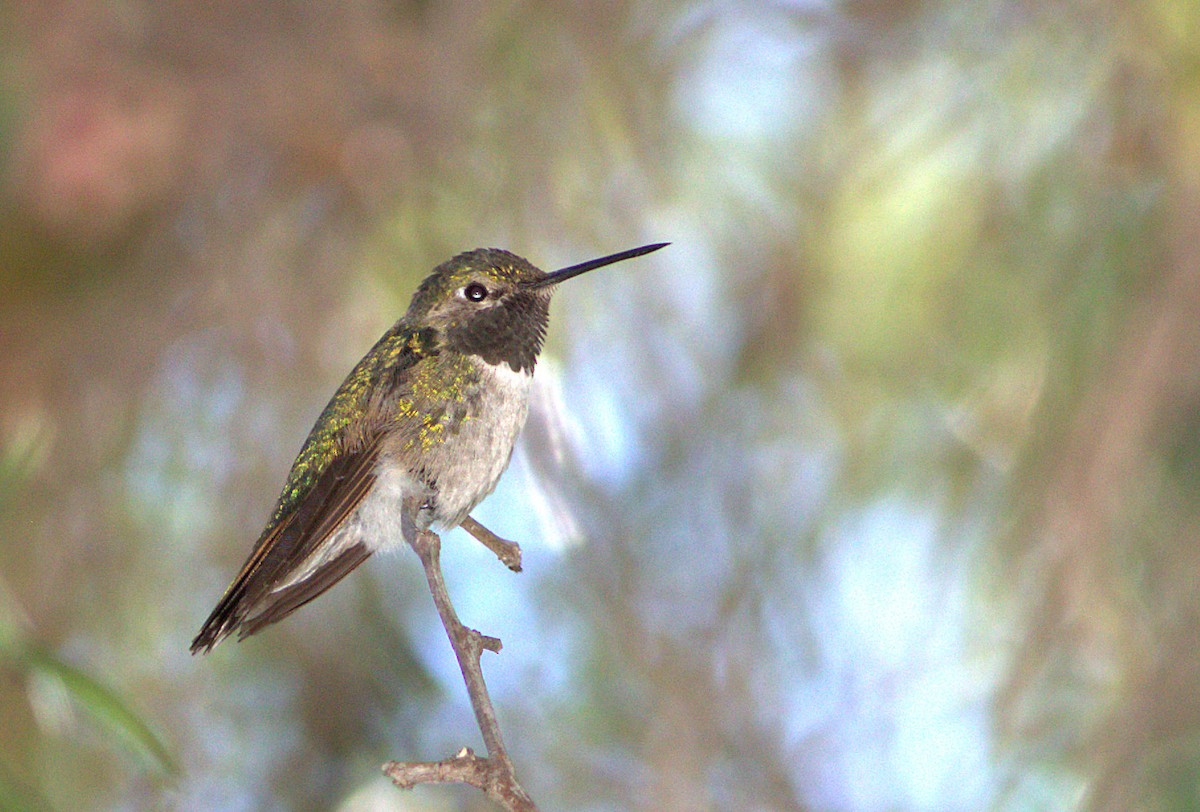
(464, 768)
(494, 774)
(509, 552)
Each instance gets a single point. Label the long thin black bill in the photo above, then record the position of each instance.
(593, 264)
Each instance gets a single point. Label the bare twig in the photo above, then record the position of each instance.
(509, 552)
(494, 774)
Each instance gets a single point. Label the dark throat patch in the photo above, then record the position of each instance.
(512, 331)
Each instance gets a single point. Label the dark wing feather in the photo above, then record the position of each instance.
(286, 544)
(335, 470)
(291, 598)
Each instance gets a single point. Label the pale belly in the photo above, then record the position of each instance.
(469, 464)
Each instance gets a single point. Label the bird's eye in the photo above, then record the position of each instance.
(475, 292)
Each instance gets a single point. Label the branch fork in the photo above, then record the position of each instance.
(493, 774)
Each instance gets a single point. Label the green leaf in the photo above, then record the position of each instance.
(108, 710)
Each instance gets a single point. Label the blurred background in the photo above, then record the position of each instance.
(877, 490)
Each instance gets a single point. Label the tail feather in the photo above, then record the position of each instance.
(287, 600)
(240, 612)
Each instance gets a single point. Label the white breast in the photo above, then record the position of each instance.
(472, 462)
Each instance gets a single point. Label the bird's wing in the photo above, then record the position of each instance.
(291, 563)
(287, 544)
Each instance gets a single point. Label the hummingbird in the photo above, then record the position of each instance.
(414, 438)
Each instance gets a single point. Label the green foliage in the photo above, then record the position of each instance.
(120, 727)
(107, 709)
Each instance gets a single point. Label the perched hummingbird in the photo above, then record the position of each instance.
(415, 437)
